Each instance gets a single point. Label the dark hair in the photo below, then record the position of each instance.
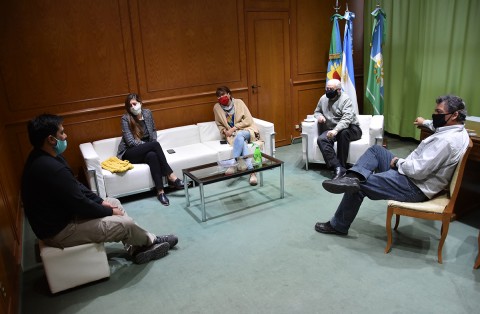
(41, 127)
(129, 98)
(454, 103)
(133, 122)
(222, 90)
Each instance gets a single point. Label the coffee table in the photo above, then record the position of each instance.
(210, 173)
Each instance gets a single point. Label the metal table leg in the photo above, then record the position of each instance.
(185, 186)
(202, 198)
(282, 184)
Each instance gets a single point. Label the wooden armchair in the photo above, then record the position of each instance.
(438, 208)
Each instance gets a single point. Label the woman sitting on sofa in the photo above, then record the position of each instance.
(236, 125)
(139, 145)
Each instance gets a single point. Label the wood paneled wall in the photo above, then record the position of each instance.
(80, 58)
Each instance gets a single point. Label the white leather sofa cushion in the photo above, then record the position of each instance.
(130, 182)
(189, 152)
(188, 156)
(178, 136)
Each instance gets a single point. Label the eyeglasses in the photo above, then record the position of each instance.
(330, 89)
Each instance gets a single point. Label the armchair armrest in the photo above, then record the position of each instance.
(93, 169)
(309, 135)
(376, 130)
(267, 134)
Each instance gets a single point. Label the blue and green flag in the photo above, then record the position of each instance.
(374, 91)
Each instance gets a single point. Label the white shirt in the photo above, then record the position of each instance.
(431, 165)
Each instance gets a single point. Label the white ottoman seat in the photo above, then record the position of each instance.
(73, 266)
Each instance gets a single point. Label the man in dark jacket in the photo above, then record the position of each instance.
(63, 212)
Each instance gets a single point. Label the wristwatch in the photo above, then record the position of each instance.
(395, 163)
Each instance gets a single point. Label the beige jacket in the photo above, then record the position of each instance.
(243, 120)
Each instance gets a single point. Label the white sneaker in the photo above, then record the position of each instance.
(230, 171)
(242, 166)
(253, 179)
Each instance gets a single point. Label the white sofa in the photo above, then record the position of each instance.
(372, 133)
(194, 145)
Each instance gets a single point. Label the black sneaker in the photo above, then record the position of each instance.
(150, 253)
(171, 239)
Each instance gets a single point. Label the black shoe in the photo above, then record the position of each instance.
(342, 185)
(339, 173)
(327, 228)
(150, 253)
(177, 184)
(163, 199)
(171, 239)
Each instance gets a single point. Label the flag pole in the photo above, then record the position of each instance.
(336, 7)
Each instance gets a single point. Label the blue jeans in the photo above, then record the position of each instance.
(240, 147)
(380, 183)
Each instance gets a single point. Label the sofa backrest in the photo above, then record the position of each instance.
(178, 136)
(208, 131)
(107, 148)
(365, 123)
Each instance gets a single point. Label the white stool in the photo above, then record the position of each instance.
(73, 266)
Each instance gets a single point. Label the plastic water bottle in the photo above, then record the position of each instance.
(257, 156)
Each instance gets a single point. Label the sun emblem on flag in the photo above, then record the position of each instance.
(378, 69)
(335, 71)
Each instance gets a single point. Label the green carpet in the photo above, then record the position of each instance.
(258, 253)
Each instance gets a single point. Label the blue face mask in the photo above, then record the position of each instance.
(61, 146)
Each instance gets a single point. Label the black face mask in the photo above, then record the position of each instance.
(438, 119)
(331, 93)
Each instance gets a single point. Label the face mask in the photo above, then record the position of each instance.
(224, 100)
(331, 94)
(137, 109)
(439, 119)
(60, 147)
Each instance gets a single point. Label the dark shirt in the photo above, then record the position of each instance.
(146, 136)
(52, 197)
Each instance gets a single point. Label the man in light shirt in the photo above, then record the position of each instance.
(379, 175)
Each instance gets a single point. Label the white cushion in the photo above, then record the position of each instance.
(107, 148)
(209, 132)
(179, 136)
(224, 151)
(73, 266)
(364, 121)
(132, 181)
(188, 156)
(435, 205)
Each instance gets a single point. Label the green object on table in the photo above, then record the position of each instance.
(257, 155)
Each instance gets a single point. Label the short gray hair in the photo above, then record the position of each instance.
(454, 103)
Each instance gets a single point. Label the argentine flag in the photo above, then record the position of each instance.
(348, 76)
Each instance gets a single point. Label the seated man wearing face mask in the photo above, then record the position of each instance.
(63, 212)
(379, 175)
(338, 122)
